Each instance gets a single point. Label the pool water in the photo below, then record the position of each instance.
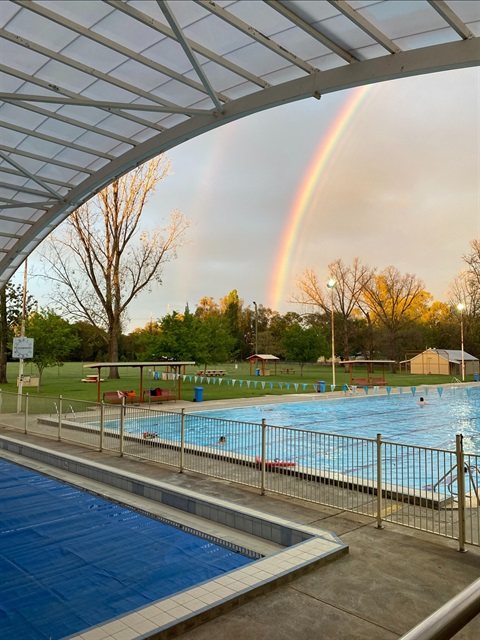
(70, 560)
(398, 418)
(294, 431)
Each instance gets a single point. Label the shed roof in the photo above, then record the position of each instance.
(452, 355)
(263, 356)
(159, 363)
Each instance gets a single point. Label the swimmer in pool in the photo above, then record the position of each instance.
(222, 440)
(421, 402)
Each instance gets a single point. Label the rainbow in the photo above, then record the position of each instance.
(306, 192)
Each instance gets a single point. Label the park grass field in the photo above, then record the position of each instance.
(66, 380)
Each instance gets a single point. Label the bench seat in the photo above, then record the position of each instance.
(360, 382)
(158, 395)
(116, 397)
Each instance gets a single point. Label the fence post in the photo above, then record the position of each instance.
(461, 491)
(264, 448)
(182, 441)
(102, 424)
(122, 424)
(379, 481)
(26, 411)
(60, 411)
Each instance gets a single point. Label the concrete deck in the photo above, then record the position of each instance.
(391, 580)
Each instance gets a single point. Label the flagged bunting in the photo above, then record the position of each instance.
(304, 386)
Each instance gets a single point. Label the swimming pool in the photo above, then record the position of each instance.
(399, 418)
(70, 560)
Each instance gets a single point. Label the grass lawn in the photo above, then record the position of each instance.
(67, 381)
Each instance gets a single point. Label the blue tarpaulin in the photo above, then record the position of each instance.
(70, 560)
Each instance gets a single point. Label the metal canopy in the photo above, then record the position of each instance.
(91, 89)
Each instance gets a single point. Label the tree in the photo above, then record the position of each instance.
(350, 282)
(396, 302)
(303, 345)
(11, 304)
(103, 259)
(54, 339)
(465, 289)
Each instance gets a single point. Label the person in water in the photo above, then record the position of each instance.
(421, 402)
(222, 440)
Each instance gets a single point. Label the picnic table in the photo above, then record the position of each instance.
(212, 373)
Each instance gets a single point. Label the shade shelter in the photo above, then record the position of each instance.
(370, 366)
(263, 359)
(176, 367)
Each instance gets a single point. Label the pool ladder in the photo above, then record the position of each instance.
(69, 406)
(449, 479)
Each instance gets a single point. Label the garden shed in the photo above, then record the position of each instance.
(447, 362)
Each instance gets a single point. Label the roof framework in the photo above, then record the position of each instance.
(91, 90)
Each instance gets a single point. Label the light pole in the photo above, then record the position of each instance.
(461, 307)
(256, 328)
(331, 284)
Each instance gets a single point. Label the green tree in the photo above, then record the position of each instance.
(54, 339)
(11, 305)
(303, 345)
(92, 346)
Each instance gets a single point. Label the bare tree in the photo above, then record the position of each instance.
(350, 281)
(395, 300)
(465, 288)
(103, 259)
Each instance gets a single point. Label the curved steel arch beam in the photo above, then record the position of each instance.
(443, 57)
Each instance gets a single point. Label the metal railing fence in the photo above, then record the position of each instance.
(429, 489)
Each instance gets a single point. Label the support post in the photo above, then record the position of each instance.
(264, 449)
(26, 412)
(182, 441)
(122, 424)
(461, 491)
(102, 425)
(60, 411)
(379, 481)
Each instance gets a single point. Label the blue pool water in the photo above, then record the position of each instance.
(70, 560)
(350, 422)
(399, 418)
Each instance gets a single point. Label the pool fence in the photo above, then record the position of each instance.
(427, 489)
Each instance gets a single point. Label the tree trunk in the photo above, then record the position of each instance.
(3, 335)
(113, 340)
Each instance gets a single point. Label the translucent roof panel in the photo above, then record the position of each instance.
(91, 89)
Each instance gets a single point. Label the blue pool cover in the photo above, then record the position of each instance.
(70, 560)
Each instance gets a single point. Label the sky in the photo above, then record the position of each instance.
(388, 173)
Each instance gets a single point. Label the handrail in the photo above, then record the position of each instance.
(449, 619)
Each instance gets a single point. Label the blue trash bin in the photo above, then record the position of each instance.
(476, 377)
(321, 386)
(257, 372)
(198, 394)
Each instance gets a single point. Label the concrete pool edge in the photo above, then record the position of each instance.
(306, 549)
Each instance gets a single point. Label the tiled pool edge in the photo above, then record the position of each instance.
(306, 549)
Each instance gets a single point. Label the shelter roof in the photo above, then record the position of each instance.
(364, 362)
(161, 363)
(105, 86)
(263, 356)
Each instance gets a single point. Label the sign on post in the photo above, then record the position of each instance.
(22, 348)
